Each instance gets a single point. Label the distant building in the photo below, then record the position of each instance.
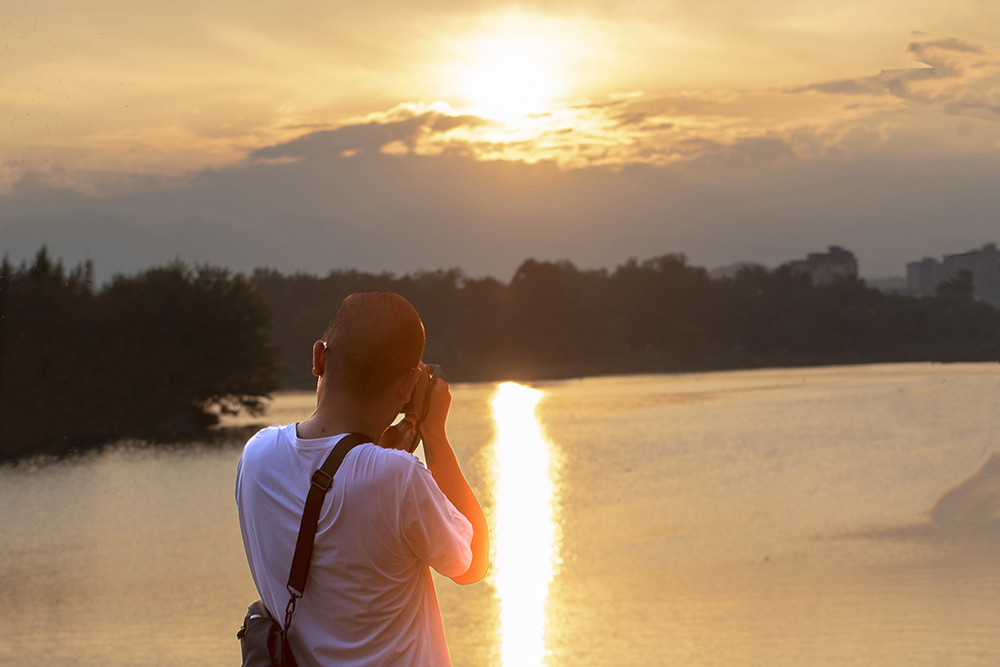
(923, 277)
(825, 267)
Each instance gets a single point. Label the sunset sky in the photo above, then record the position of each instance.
(403, 136)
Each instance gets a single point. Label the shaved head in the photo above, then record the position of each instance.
(374, 338)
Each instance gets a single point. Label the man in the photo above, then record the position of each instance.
(369, 598)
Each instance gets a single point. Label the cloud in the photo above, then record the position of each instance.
(719, 202)
(870, 85)
(961, 78)
(698, 128)
(723, 175)
(841, 119)
(958, 77)
(405, 125)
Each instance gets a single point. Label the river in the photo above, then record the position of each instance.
(796, 517)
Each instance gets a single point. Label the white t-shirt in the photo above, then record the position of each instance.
(369, 598)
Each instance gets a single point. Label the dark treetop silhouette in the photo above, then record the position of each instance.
(554, 320)
(159, 353)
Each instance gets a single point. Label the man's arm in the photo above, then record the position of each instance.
(441, 461)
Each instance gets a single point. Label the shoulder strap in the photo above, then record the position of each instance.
(322, 479)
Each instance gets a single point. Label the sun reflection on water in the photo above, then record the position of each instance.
(524, 527)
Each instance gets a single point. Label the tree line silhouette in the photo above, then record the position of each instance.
(155, 355)
(554, 320)
(160, 353)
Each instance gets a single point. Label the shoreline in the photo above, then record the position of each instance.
(239, 428)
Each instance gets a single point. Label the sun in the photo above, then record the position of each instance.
(510, 76)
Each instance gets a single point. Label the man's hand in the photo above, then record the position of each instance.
(438, 396)
(444, 467)
(431, 401)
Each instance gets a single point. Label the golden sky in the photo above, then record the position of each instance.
(111, 85)
(107, 97)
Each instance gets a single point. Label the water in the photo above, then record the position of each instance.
(790, 517)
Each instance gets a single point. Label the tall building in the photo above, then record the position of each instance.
(923, 277)
(825, 267)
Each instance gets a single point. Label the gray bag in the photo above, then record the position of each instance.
(262, 640)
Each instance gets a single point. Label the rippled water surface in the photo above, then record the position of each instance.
(835, 516)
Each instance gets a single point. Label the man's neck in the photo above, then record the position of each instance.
(337, 413)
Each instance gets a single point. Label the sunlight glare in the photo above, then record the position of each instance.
(524, 526)
(510, 76)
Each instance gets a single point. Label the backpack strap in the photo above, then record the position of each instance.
(322, 480)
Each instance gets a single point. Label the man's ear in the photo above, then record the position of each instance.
(319, 358)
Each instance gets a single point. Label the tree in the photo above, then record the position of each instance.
(157, 354)
(201, 339)
(960, 287)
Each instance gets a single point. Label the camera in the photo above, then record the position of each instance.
(434, 371)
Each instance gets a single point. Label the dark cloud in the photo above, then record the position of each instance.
(934, 43)
(760, 151)
(608, 104)
(899, 82)
(368, 136)
(753, 151)
(371, 136)
(960, 78)
(741, 201)
(309, 126)
(634, 118)
(869, 85)
(444, 123)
